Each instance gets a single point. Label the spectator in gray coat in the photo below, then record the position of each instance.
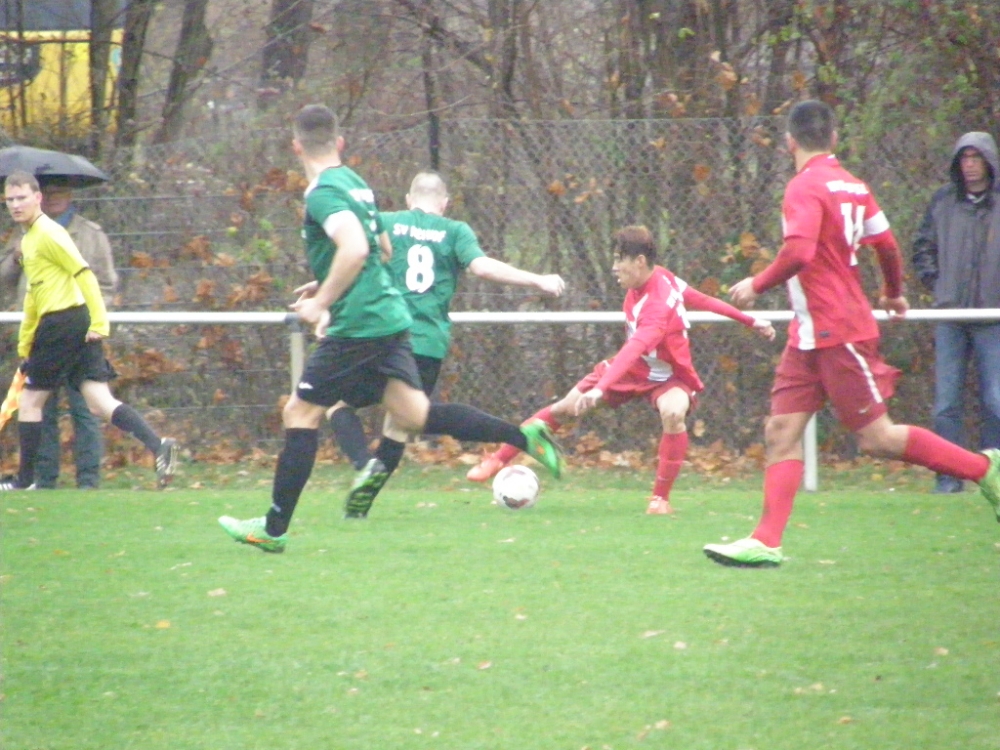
(956, 254)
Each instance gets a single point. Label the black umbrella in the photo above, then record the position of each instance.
(50, 167)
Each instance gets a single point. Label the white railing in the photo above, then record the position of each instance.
(298, 340)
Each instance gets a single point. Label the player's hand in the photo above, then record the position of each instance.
(92, 336)
(742, 293)
(588, 401)
(895, 306)
(552, 284)
(309, 310)
(324, 322)
(764, 328)
(306, 290)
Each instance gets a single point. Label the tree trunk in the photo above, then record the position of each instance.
(193, 50)
(137, 16)
(284, 58)
(430, 97)
(504, 17)
(102, 21)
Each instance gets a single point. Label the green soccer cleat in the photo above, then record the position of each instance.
(542, 447)
(367, 485)
(745, 553)
(989, 485)
(252, 532)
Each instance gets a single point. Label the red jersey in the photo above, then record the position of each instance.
(657, 326)
(826, 214)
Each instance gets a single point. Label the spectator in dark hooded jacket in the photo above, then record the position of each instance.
(956, 254)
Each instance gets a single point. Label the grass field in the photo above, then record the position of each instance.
(129, 619)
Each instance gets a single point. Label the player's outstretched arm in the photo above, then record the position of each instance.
(794, 255)
(695, 300)
(503, 273)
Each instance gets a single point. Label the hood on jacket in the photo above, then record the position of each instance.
(985, 145)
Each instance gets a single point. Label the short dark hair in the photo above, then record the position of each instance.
(633, 241)
(811, 123)
(21, 178)
(316, 128)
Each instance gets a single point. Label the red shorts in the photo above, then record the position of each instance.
(852, 376)
(630, 388)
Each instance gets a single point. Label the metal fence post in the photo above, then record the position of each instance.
(296, 350)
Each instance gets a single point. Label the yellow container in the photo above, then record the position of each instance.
(45, 81)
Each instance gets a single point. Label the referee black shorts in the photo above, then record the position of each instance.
(356, 371)
(61, 354)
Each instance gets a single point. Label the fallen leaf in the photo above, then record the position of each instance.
(217, 592)
(484, 665)
(653, 633)
(162, 624)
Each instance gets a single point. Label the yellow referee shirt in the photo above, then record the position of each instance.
(58, 278)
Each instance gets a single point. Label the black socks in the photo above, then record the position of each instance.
(29, 436)
(464, 422)
(295, 464)
(350, 436)
(127, 419)
(390, 453)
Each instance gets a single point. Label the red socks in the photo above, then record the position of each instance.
(924, 448)
(781, 483)
(673, 448)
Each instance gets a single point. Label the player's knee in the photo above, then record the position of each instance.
(779, 438)
(410, 416)
(298, 414)
(874, 442)
(673, 422)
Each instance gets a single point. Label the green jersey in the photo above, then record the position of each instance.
(371, 307)
(428, 254)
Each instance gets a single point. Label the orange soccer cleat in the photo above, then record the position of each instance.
(486, 469)
(659, 506)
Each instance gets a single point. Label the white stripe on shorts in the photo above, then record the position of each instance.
(869, 378)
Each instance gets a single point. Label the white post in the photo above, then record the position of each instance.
(810, 479)
(296, 351)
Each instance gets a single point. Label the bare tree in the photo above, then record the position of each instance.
(103, 18)
(285, 53)
(137, 17)
(193, 50)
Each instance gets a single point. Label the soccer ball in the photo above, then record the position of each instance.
(515, 487)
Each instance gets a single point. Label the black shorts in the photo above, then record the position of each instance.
(429, 368)
(356, 370)
(61, 354)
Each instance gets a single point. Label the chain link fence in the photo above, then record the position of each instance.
(213, 224)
